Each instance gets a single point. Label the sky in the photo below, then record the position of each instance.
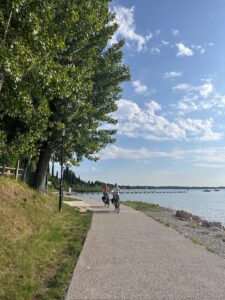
(171, 128)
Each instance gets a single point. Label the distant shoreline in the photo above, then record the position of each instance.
(172, 187)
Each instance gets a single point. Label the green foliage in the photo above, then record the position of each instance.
(57, 70)
(70, 180)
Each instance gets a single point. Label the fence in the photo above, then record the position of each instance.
(8, 171)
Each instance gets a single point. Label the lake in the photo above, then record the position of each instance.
(207, 205)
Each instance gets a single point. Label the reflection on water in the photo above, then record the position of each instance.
(208, 205)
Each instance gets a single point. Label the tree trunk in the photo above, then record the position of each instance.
(42, 167)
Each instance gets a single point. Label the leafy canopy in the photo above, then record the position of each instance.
(57, 70)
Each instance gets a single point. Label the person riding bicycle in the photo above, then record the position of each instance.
(105, 197)
(116, 198)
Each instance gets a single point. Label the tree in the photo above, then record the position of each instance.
(98, 73)
(57, 71)
(30, 39)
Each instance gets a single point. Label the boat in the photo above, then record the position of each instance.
(206, 190)
(216, 190)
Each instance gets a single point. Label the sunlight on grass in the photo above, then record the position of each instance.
(39, 247)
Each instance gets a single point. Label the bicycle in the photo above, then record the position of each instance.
(105, 199)
(116, 202)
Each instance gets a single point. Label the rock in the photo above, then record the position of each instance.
(205, 224)
(181, 214)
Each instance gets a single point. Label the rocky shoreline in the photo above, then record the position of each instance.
(211, 235)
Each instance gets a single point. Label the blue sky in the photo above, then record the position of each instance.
(171, 128)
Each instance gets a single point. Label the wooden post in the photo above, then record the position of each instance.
(17, 169)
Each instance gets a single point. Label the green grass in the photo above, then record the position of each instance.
(39, 246)
(201, 243)
(166, 223)
(196, 241)
(142, 206)
(194, 224)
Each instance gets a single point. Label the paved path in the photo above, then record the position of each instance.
(131, 256)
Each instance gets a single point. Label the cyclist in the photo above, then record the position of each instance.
(105, 197)
(116, 198)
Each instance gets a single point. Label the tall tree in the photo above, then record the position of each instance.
(57, 71)
(98, 72)
(30, 39)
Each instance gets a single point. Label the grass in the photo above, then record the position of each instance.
(141, 206)
(194, 225)
(196, 241)
(39, 247)
(166, 223)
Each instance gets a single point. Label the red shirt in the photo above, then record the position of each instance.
(106, 189)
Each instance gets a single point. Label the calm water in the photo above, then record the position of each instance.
(208, 205)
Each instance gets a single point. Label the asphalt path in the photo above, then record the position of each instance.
(128, 255)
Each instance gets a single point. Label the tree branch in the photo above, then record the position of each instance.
(7, 27)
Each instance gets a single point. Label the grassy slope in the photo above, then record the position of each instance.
(38, 246)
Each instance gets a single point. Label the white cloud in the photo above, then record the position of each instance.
(201, 130)
(199, 48)
(116, 152)
(190, 104)
(203, 90)
(175, 32)
(182, 86)
(165, 43)
(172, 74)
(155, 51)
(202, 157)
(127, 28)
(183, 50)
(147, 123)
(213, 157)
(186, 105)
(140, 88)
(127, 110)
(201, 97)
